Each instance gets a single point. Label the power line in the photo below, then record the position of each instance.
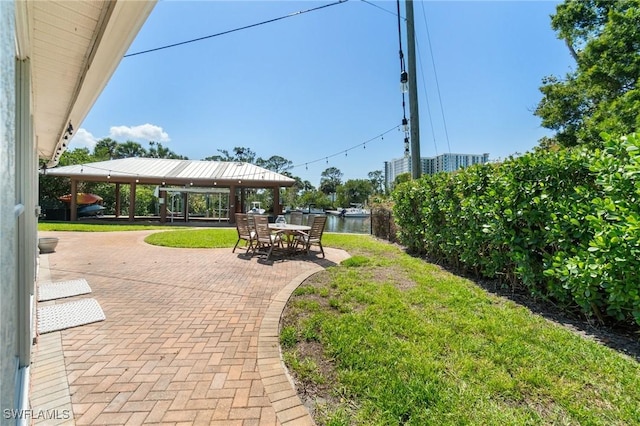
(435, 73)
(426, 97)
(379, 7)
(236, 29)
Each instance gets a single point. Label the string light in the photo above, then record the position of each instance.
(345, 152)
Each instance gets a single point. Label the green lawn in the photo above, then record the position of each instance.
(94, 227)
(388, 339)
(385, 338)
(195, 238)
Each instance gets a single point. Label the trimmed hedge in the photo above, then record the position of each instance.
(565, 224)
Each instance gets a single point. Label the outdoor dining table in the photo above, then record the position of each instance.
(289, 232)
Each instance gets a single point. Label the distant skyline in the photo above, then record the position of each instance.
(313, 85)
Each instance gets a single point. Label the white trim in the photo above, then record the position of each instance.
(24, 376)
(23, 31)
(18, 209)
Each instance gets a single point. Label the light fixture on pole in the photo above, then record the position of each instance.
(405, 124)
(404, 82)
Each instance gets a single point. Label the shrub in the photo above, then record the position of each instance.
(564, 224)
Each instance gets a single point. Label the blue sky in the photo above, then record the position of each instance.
(311, 86)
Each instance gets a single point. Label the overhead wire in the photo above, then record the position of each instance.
(437, 84)
(426, 96)
(444, 121)
(326, 157)
(268, 21)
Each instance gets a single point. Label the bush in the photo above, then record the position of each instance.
(563, 224)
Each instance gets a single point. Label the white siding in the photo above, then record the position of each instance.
(8, 238)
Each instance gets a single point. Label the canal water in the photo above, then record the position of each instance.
(348, 225)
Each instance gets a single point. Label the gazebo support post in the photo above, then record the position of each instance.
(132, 202)
(233, 201)
(277, 208)
(117, 213)
(73, 205)
(185, 206)
(163, 206)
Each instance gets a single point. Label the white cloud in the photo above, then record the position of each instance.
(83, 139)
(146, 132)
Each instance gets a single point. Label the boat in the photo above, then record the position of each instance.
(356, 211)
(82, 198)
(90, 210)
(311, 209)
(255, 208)
(88, 204)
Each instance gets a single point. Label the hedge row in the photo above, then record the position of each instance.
(565, 224)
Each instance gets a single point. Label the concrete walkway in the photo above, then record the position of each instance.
(190, 337)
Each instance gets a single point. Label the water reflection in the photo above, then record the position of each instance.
(347, 225)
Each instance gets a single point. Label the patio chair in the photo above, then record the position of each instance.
(315, 234)
(295, 218)
(244, 231)
(264, 238)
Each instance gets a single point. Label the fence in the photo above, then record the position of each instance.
(382, 224)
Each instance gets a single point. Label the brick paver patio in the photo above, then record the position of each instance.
(190, 335)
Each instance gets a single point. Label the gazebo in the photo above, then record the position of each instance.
(172, 176)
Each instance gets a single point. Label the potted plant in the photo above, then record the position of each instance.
(47, 244)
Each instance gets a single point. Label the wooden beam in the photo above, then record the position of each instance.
(73, 204)
(117, 199)
(132, 202)
(163, 206)
(277, 208)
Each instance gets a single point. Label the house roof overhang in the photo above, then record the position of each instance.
(74, 47)
(164, 171)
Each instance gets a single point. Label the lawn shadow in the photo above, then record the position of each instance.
(623, 337)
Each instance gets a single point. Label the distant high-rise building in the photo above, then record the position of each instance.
(431, 165)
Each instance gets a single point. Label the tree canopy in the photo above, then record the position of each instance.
(601, 94)
(330, 179)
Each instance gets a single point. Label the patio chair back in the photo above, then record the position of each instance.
(261, 227)
(317, 227)
(314, 237)
(295, 218)
(244, 231)
(264, 239)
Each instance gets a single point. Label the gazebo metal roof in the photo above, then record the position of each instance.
(164, 171)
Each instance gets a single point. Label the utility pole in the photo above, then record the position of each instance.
(416, 166)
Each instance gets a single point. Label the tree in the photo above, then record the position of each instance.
(317, 198)
(130, 149)
(377, 181)
(105, 149)
(241, 154)
(156, 150)
(354, 191)
(602, 94)
(275, 163)
(330, 179)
